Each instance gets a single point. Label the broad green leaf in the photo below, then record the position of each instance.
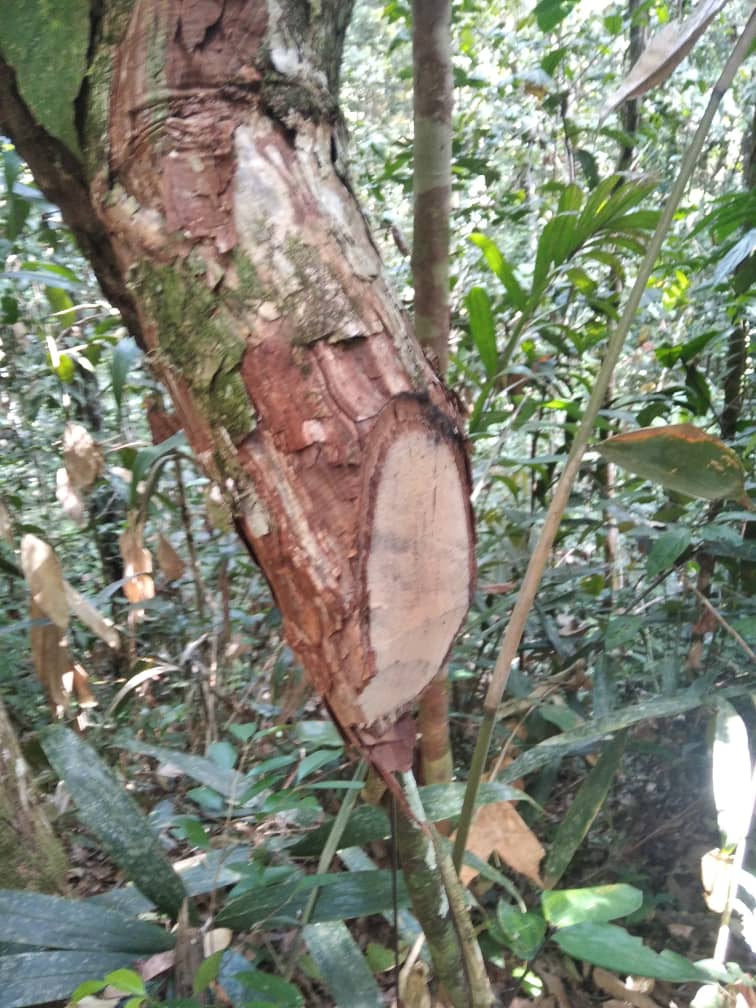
(114, 817)
(731, 774)
(522, 931)
(549, 13)
(318, 733)
(207, 971)
(483, 329)
(46, 44)
(671, 544)
(126, 981)
(597, 904)
(314, 761)
(342, 965)
(37, 919)
(34, 978)
(582, 810)
(223, 754)
(341, 897)
(42, 277)
(680, 457)
(613, 948)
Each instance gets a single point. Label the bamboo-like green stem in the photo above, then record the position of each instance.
(326, 856)
(540, 555)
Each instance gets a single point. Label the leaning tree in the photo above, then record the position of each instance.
(196, 151)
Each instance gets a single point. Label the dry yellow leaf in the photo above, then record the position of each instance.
(82, 456)
(44, 576)
(500, 828)
(89, 616)
(137, 562)
(50, 657)
(169, 562)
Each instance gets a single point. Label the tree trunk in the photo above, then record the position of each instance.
(211, 195)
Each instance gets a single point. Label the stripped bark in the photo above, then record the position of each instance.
(212, 199)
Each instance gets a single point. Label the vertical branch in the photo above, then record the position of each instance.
(432, 70)
(432, 102)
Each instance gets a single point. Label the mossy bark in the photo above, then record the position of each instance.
(31, 856)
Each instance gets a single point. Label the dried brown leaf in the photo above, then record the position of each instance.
(82, 456)
(84, 695)
(44, 576)
(664, 52)
(89, 616)
(50, 657)
(500, 828)
(137, 562)
(69, 498)
(169, 562)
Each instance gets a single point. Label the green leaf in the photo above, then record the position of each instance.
(549, 13)
(314, 761)
(208, 971)
(501, 269)
(318, 733)
(597, 904)
(521, 930)
(341, 897)
(342, 965)
(613, 948)
(228, 783)
(33, 978)
(192, 830)
(582, 811)
(270, 990)
(671, 544)
(114, 817)
(621, 630)
(46, 44)
(483, 329)
(126, 981)
(37, 919)
(680, 457)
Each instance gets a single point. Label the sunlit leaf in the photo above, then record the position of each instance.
(680, 457)
(483, 328)
(599, 904)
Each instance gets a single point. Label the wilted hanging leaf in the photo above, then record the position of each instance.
(82, 456)
(44, 576)
(69, 498)
(137, 562)
(50, 657)
(89, 616)
(499, 827)
(169, 562)
(664, 52)
(84, 695)
(680, 457)
(6, 525)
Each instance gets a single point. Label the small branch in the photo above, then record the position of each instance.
(721, 620)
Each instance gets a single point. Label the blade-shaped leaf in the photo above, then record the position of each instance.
(228, 783)
(483, 328)
(51, 921)
(613, 948)
(342, 965)
(582, 811)
(501, 268)
(34, 978)
(666, 50)
(680, 457)
(341, 897)
(114, 817)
